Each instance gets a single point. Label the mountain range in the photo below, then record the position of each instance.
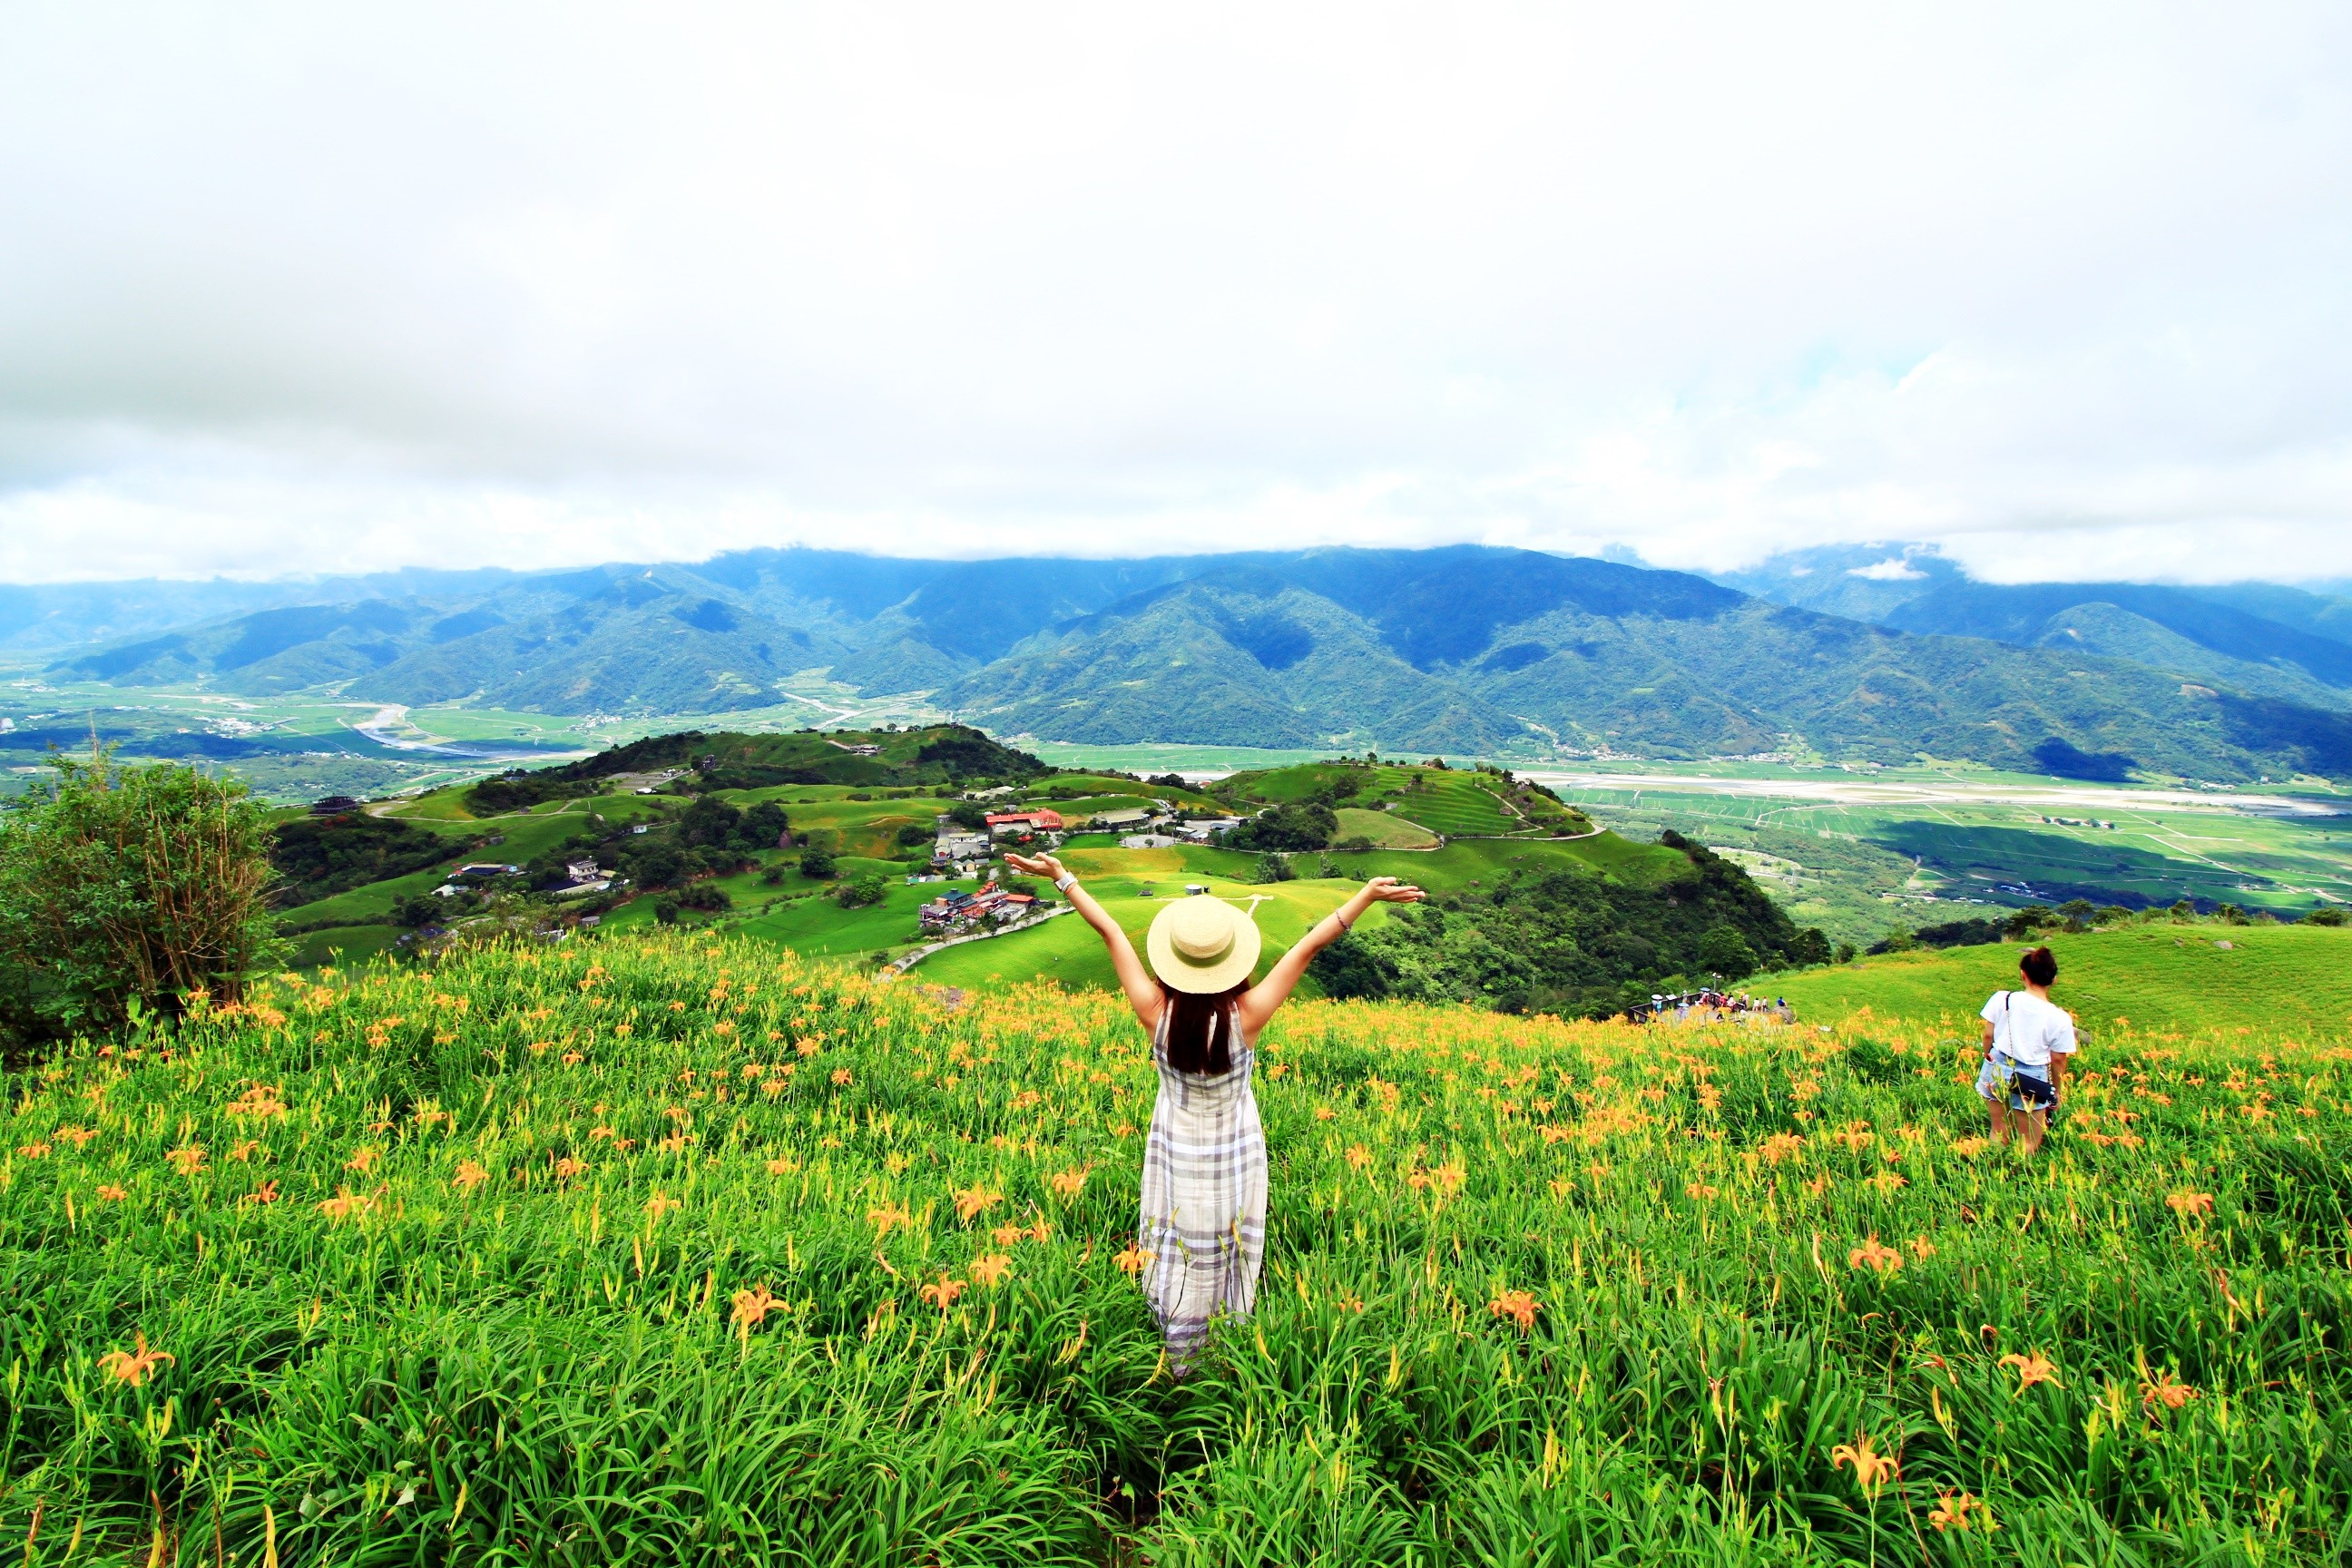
(1467, 650)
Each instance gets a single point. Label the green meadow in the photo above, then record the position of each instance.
(2271, 981)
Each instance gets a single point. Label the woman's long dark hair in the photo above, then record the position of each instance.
(1200, 1029)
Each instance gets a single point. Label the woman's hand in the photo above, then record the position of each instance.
(1036, 865)
(1389, 891)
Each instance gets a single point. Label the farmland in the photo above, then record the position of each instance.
(1863, 853)
(689, 1250)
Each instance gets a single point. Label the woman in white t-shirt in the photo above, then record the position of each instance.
(2027, 1039)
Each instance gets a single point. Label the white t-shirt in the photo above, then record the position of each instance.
(2027, 1029)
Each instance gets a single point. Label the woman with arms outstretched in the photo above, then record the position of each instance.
(1204, 1221)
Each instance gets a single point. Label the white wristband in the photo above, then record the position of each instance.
(1062, 883)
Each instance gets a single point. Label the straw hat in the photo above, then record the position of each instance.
(1203, 944)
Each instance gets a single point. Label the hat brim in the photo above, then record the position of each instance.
(1179, 974)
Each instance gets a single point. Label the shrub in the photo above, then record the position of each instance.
(816, 864)
(1723, 950)
(866, 889)
(708, 896)
(1305, 825)
(130, 884)
(2327, 915)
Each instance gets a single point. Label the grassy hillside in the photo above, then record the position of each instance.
(2275, 980)
(689, 1251)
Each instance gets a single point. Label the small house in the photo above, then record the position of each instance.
(1011, 824)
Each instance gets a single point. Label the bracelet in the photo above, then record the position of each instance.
(1345, 926)
(1062, 884)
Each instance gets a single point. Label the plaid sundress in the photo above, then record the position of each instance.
(1203, 1225)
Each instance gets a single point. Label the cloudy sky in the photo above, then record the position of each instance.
(301, 289)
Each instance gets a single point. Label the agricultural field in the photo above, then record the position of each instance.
(299, 747)
(689, 1250)
(1905, 849)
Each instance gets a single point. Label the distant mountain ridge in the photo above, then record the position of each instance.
(2264, 639)
(1464, 649)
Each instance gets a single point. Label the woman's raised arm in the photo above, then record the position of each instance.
(1142, 991)
(1262, 1000)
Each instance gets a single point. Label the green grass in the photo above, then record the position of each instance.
(2273, 981)
(1387, 830)
(618, 1253)
(343, 944)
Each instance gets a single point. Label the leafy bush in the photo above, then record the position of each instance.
(1723, 950)
(1302, 824)
(863, 891)
(122, 885)
(706, 896)
(816, 864)
(316, 857)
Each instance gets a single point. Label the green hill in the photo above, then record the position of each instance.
(683, 1250)
(2279, 981)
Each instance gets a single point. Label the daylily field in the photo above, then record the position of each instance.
(665, 1252)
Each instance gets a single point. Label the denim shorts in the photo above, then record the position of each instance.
(1996, 1080)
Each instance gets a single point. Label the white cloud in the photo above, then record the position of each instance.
(300, 290)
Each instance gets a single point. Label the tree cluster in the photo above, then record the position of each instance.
(1574, 943)
(316, 857)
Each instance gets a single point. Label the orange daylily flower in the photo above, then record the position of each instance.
(190, 1159)
(33, 1151)
(1069, 1184)
(841, 1076)
(751, 1307)
(345, 1204)
(112, 1194)
(2187, 1203)
(1874, 1255)
(991, 1268)
(2033, 1369)
(2166, 1391)
(265, 1194)
(1519, 1306)
(660, 1204)
(971, 1202)
(1871, 1470)
(1133, 1260)
(943, 1293)
(1961, 1511)
(887, 1217)
(471, 1173)
(134, 1367)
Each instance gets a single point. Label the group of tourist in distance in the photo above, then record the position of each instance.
(1202, 1223)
